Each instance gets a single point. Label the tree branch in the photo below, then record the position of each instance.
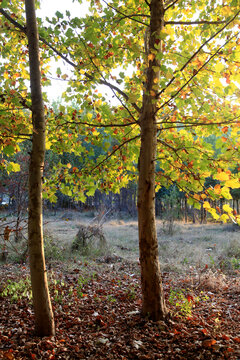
(193, 124)
(199, 49)
(15, 23)
(113, 151)
(194, 22)
(96, 125)
(90, 77)
(170, 5)
(195, 74)
(124, 15)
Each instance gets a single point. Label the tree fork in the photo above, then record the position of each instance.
(44, 321)
(153, 298)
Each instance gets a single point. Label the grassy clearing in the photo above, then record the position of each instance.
(190, 247)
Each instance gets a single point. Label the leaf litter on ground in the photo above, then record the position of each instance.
(97, 316)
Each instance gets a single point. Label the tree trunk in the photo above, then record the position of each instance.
(44, 322)
(153, 298)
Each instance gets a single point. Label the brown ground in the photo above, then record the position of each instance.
(97, 299)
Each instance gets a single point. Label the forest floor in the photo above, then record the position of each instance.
(97, 298)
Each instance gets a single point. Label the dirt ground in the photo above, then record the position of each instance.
(97, 297)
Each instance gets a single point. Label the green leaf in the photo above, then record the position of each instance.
(9, 150)
(59, 15)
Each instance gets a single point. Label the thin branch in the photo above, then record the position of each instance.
(194, 22)
(20, 136)
(15, 23)
(95, 125)
(171, 5)
(112, 88)
(14, 109)
(196, 72)
(193, 125)
(197, 52)
(113, 151)
(184, 148)
(124, 15)
(90, 77)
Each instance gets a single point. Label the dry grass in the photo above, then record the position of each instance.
(190, 246)
(214, 245)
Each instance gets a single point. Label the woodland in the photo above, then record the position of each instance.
(163, 143)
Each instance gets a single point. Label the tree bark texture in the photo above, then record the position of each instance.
(44, 321)
(153, 304)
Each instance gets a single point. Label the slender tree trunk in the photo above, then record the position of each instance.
(44, 322)
(153, 298)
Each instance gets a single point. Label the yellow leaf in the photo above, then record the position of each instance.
(224, 218)
(151, 57)
(48, 144)
(89, 116)
(82, 71)
(226, 193)
(5, 75)
(227, 208)
(206, 174)
(206, 205)
(217, 189)
(222, 176)
(234, 183)
(69, 166)
(218, 67)
(196, 196)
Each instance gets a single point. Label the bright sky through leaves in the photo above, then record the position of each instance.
(49, 9)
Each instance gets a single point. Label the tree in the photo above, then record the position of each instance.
(44, 322)
(181, 86)
(153, 298)
(177, 65)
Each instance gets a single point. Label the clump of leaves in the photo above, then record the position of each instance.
(16, 290)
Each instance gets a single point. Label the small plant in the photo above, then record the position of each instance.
(16, 290)
(52, 250)
(84, 281)
(131, 292)
(235, 263)
(90, 240)
(182, 302)
(57, 287)
(212, 261)
(110, 298)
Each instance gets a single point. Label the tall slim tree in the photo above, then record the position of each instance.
(153, 298)
(44, 321)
